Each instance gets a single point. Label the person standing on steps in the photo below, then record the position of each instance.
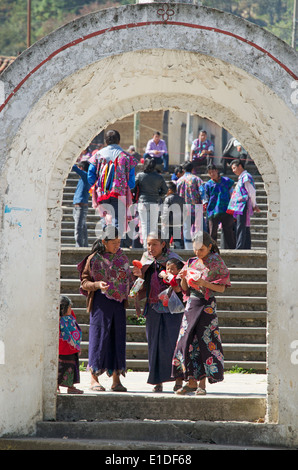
(189, 188)
(70, 337)
(198, 354)
(172, 217)
(106, 280)
(217, 194)
(233, 151)
(80, 204)
(152, 189)
(242, 205)
(112, 176)
(162, 327)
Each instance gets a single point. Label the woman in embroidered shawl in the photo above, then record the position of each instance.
(106, 279)
(162, 327)
(199, 354)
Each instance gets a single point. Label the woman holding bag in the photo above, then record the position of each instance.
(162, 327)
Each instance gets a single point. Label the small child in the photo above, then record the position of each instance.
(169, 276)
(70, 336)
(173, 267)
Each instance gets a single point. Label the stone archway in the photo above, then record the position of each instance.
(57, 96)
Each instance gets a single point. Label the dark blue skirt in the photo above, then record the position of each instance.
(162, 330)
(107, 336)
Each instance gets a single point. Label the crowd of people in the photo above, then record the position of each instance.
(139, 200)
(184, 344)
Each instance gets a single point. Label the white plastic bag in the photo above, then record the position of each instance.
(164, 297)
(175, 305)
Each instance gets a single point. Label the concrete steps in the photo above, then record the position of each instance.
(144, 448)
(132, 406)
(138, 435)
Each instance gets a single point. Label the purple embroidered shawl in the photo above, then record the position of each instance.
(113, 269)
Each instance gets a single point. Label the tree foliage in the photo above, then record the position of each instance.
(47, 15)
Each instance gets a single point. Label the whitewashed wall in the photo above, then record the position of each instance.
(61, 92)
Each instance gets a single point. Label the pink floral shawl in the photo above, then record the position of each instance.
(212, 269)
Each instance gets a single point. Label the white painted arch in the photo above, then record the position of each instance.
(61, 92)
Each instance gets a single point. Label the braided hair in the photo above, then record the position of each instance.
(109, 233)
(65, 302)
(207, 240)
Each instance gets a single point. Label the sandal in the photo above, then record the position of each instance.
(157, 388)
(200, 391)
(118, 388)
(185, 390)
(177, 387)
(97, 388)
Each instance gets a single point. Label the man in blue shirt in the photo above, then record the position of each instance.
(217, 194)
(80, 204)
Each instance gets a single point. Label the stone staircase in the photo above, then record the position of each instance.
(241, 309)
(127, 438)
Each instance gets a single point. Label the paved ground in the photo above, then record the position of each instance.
(136, 382)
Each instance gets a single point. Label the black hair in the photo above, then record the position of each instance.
(65, 302)
(109, 233)
(171, 185)
(84, 165)
(236, 162)
(177, 262)
(157, 133)
(207, 240)
(188, 167)
(212, 167)
(157, 236)
(149, 165)
(112, 137)
(178, 169)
